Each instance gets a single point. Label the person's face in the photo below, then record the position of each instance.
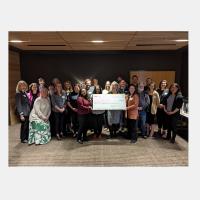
(123, 84)
(59, 87)
(34, 87)
(88, 84)
(141, 87)
(107, 85)
(67, 85)
(114, 87)
(76, 89)
(148, 81)
(173, 89)
(41, 82)
(131, 89)
(83, 92)
(83, 86)
(151, 86)
(95, 81)
(98, 90)
(164, 84)
(44, 93)
(23, 87)
(135, 80)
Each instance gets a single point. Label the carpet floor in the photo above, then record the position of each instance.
(101, 152)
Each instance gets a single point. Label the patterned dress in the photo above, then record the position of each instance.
(39, 130)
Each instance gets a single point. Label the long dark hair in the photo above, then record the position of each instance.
(177, 86)
(136, 90)
(81, 92)
(162, 82)
(95, 89)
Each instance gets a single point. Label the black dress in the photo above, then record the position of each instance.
(151, 119)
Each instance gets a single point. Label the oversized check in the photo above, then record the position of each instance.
(109, 102)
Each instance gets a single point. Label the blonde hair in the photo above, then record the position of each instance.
(19, 84)
(114, 83)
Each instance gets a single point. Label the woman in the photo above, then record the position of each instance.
(83, 109)
(172, 105)
(113, 115)
(107, 88)
(161, 115)
(33, 93)
(23, 108)
(97, 115)
(59, 102)
(106, 91)
(132, 112)
(72, 104)
(67, 118)
(152, 110)
(41, 83)
(39, 126)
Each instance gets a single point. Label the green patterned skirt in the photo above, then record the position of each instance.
(39, 132)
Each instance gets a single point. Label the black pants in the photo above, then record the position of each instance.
(113, 129)
(105, 119)
(24, 132)
(161, 119)
(98, 123)
(52, 124)
(172, 126)
(67, 121)
(131, 124)
(59, 122)
(75, 125)
(83, 126)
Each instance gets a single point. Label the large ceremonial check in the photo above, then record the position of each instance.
(109, 102)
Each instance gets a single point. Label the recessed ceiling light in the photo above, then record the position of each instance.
(181, 40)
(97, 41)
(16, 41)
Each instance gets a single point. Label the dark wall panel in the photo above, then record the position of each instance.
(103, 65)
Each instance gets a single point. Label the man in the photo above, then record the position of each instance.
(134, 80)
(89, 88)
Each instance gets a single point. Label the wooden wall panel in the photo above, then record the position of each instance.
(157, 76)
(14, 77)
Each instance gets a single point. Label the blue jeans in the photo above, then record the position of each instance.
(142, 122)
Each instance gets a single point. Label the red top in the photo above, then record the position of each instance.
(83, 106)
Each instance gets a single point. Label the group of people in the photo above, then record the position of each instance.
(60, 109)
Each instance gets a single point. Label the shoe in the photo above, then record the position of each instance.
(80, 141)
(133, 141)
(58, 137)
(24, 141)
(74, 135)
(144, 137)
(172, 141)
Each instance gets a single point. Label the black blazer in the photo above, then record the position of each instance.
(22, 104)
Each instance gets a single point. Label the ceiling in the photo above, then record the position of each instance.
(115, 40)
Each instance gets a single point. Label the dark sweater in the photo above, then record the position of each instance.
(83, 106)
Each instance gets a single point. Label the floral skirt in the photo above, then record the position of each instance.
(39, 132)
